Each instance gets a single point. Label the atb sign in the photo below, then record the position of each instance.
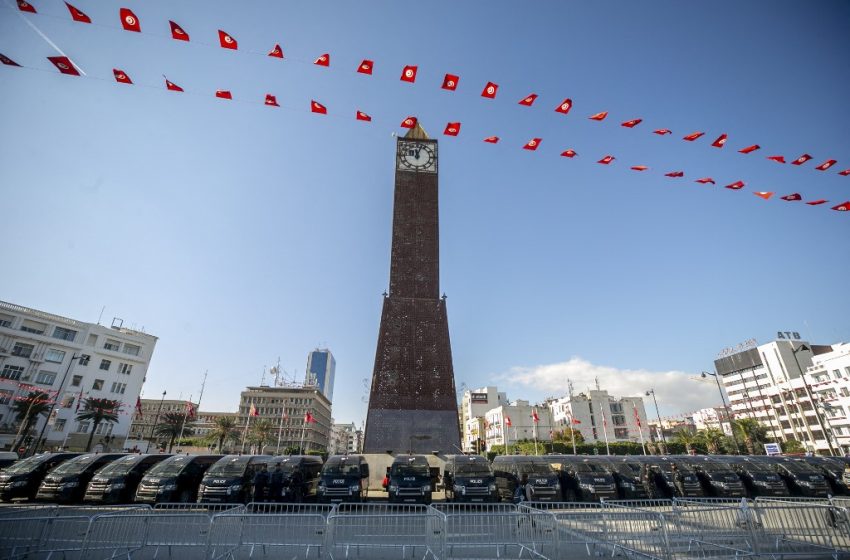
(772, 449)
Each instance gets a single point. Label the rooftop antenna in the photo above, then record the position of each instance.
(99, 317)
(276, 371)
(263, 377)
(570, 387)
(596, 379)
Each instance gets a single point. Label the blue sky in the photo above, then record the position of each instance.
(239, 233)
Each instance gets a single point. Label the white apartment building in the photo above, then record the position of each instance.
(624, 417)
(153, 411)
(794, 388)
(509, 423)
(70, 360)
(473, 406)
(286, 408)
(345, 438)
(715, 417)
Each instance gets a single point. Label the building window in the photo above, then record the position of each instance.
(83, 427)
(132, 349)
(836, 374)
(85, 359)
(104, 364)
(53, 355)
(6, 320)
(104, 429)
(22, 350)
(59, 424)
(6, 396)
(12, 372)
(621, 433)
(33, 327)
(118, 388)
(45, 377)
(111, 344)
(76, 380)
(125, 368)
(97, 385)
(64, 334)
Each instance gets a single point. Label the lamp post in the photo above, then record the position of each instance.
(40, 441)
(811, 398)
(660, 427)
(728, 412)
(156, 419)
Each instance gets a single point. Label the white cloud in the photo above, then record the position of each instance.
(677, 391)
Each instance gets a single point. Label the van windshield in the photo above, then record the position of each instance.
(76, 466)
(229, 466)
(170, 467)
(587, 468)
(409, 469)
(344, 468)
(474, 468)
(120, 467)
(533, 468)
(26, 465)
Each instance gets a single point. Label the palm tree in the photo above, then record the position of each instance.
(687, 438)
(752, 432)
(224, 428)
(713, 439)
(261, 432)
(171, 425)
(97, 411)
(27, 410)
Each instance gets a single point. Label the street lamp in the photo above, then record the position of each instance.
(156, 419)
(40, 441)
(660, 427)
(811, 398)
(728, 412)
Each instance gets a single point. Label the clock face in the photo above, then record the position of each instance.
(417, 156)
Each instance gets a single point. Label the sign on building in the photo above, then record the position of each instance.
(478, 397)
(772, 449)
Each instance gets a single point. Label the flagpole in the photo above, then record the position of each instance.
(605, 430)
(247, 423)
(640, 428)
(534, 429)
(280, 426)
(301, 446)
(185, 415)
(573, 435)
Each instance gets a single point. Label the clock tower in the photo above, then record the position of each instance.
(412, 403)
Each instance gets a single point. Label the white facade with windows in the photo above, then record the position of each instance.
(522, 425)
(473, 406)
(69, 360)
(345, 438)
(595, 413)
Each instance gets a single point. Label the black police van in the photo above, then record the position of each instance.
(665, 476)
(21, 480)
(231, 478)
(536, 474)
(116, 483)
(67, 483)
(175, 479)
(758, 477)
(300, 476)
(718, 478)
(342, 479)
(410, 480)
(627, 475)
(584, 479)
(469, 478)
(802, 478)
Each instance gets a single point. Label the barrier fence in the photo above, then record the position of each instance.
(651, 529)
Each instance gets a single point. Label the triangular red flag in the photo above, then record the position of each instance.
(129, 21)
(598, 116)
(693, 136)
(606, 160)
(276, 52)
(8, 61)
(452, 129)
(271, 100)
(749, 149)
(178, 32)
(121, 76)
(844, 173)
(409, 122)
(675, 174)
(639, 168)
(529, 100)
(569, 153)
(532, 144)
(317, 107)
(226, 41)
(763, 194)
(826, 165)
(450, 82)
(492, 139)
(361, 116)
(801, 160)
(736, 185)
(565, 106)
(77, 15)
(324, 60)
(223, 94)
(705, 180)
(792, 197)
(662, 131)
(366, 67)
(490, 90)
(721, 141)
(64, 64)
(777, 159)
(632, 123)
(817, 202)
(408, 74)
(172, 86)
(26, 7)
(843, 207)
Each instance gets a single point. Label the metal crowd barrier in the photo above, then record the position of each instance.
(286, 508)
(131, 534)
(26, 536)
(233, 535)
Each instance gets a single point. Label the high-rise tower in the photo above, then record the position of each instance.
(412, 404)
(321, 368)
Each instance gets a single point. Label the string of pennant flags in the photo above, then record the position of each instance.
(130, 22)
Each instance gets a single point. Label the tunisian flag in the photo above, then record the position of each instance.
(324, 60)
(737, 185)
(366, 67)
(792, 197)
(271, 100)
(565, 106)
(121, 76)
(26, 7)
(534, 417)
(777, 159)
(409, 122)
(632, 123)
(721, 141)
(569, 153)
(675, 174)
(361, 116)
(409, 74)
(528, 101)
(77, 15)
(253, 411)
(693, 136)
(662, 131)
(706, 180)
(598, 116)
(843, 207)
(492, 139)
(8, 61)
(450, 82)
(178, 32)
(223, 94)
(276, 52)
(452, 129)
(308, 418)
(532, 144)
(826, 165)
(129, 21)
(317, 107)
(606, 160)
(226, 40)
(490, 90)
(801, 160)
(508, 422)
(63, 63)
(749, 149)
(172, 86)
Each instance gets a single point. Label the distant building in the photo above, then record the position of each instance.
(70, 360)
(508, 423)
(624, 417)
(345, 438)
(473, 406)
(286, 408)
(321, 367)
(142, 425)
(712, 418)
